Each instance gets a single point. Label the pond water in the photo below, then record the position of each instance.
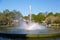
(30, 28)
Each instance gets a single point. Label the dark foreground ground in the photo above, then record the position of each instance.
(29, 36)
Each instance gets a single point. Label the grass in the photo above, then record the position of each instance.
(55, 25)
(4, 28)
(43, 35)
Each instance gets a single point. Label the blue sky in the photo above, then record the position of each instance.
(37, 5)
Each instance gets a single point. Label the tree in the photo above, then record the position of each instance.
(8, 16)
(40, 17)
(33, 16)
(57, 14)
(50, 19)
(57, 20)
(49, 14)
(6, 11)
(26, 17)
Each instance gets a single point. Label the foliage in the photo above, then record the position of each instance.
(7, 16)
(48, 18)
(40, 17)
(57, 14)
(49, 14)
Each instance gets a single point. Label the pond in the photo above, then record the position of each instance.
(31, 28)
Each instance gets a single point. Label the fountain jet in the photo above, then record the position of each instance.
(30, 13)
(33, 25)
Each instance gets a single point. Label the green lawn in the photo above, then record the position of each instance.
(43, 35)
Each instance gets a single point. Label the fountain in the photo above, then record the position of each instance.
(24, 28)
(30, 28)
(33, 25)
